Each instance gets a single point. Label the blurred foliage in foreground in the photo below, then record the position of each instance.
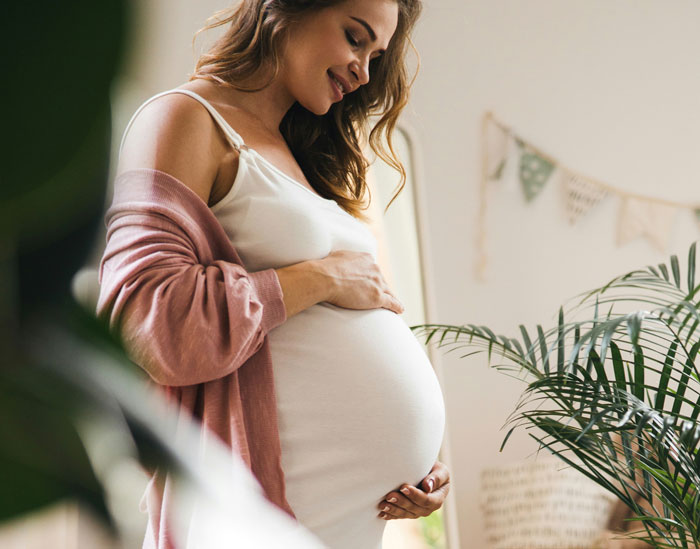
(72, 406)
(64, 58)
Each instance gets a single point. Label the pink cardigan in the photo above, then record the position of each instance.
(173, 286)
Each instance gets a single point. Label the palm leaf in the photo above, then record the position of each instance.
(622, 403)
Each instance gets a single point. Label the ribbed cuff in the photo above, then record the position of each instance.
(269, 291)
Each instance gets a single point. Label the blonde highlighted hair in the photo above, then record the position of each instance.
(328, 148)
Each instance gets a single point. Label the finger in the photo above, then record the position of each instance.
(417, 496)
(401, 501)
(396, 306)
(393, 304)
(438, 476)
(430, 502)
(391, 511)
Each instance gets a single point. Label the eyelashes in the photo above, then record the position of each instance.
(351, 39)
(356, 44)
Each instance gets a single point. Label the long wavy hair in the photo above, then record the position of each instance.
(328, 148)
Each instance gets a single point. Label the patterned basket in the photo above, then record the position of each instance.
(542, 504)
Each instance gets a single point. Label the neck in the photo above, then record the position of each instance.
(268, 105)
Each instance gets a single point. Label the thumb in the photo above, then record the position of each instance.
(428, 484)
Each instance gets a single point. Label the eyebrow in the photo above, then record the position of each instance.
(365, 24)
(370, 30)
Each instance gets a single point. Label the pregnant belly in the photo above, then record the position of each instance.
(360, 411)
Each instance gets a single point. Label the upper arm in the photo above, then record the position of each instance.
(174, 134)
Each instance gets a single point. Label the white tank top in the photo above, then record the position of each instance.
(360, 409)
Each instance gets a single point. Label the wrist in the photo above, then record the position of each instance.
(321, 279)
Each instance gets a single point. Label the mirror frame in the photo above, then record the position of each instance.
(415, 165)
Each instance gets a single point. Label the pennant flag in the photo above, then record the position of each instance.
(581, 195)
(534, 173)
(645, 217)
(496, 150)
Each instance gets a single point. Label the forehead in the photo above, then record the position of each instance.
(381, 15)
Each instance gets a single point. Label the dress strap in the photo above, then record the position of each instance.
(232, 136)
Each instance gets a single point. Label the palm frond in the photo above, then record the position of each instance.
(614, 393)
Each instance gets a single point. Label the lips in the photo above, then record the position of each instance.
(344, 87)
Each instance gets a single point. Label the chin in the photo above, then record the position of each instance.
(319, 108)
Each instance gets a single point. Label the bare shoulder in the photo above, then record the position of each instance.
(175, 134)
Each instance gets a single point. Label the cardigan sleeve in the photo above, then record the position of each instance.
(183, 319)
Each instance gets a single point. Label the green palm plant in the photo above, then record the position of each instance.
(614, 391)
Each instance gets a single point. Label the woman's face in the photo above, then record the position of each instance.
(327, 54)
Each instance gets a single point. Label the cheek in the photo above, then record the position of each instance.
(307, 64)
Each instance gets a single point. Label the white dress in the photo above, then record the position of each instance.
(359, 406)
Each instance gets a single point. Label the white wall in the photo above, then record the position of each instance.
(611, 88)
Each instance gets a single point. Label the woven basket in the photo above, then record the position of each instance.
(542, 504)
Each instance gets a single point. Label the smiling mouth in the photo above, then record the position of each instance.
(337, 83)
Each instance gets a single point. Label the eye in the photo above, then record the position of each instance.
(351, 39)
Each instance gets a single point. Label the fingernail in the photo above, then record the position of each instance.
(392, 500)
(386, 508)
(430, 485)
(405, 490)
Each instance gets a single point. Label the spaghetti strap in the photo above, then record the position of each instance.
(232, 136)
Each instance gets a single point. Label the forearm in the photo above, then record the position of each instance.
(303, 285)
(190, 324)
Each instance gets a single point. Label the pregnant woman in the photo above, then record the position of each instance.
(243, 280)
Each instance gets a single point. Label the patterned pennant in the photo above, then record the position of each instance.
(648, 218)
(581, 195)
(496, 150)
(534, 173)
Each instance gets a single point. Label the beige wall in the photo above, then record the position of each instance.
(160, 54)
(610, 88)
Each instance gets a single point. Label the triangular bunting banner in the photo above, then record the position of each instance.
(496, 150)
(648, 218)
(515, 161)
(581, 195)
(534, 173)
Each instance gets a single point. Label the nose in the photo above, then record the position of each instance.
(360, 70)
